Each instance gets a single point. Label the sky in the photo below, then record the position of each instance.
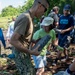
(15, 3)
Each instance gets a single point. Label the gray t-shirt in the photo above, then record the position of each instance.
(24, 26)
(54, 16)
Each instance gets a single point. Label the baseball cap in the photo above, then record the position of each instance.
(67, 7)
(47, 21)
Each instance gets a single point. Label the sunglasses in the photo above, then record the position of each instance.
(43, 6)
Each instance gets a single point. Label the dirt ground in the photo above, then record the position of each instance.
(7, 66)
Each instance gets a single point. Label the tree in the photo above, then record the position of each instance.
(73, 6)
(27, 5)
(9, 11)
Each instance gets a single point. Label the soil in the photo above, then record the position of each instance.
(7, 66)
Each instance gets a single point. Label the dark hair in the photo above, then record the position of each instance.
(52, 26)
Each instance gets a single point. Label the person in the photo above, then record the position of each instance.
(21, 38)
(2, 40)
(54, 15)
(47, 29)
(66, 24)
(70, 69)
(73, 31)
(74, 17)
(8, 36)
(10, 30)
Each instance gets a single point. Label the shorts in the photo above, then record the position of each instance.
(39, 61)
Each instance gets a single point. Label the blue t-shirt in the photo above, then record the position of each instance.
(66, 22)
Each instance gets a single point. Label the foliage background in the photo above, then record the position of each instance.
(10, 11)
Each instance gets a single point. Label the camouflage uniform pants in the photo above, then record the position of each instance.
(23, 63)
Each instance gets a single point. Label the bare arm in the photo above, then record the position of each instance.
(57, 46)
(68, 29)
(16, 43)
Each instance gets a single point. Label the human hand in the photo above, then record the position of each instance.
(35, 51)
(62, 31)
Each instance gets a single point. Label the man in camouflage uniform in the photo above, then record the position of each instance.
(21, 38)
